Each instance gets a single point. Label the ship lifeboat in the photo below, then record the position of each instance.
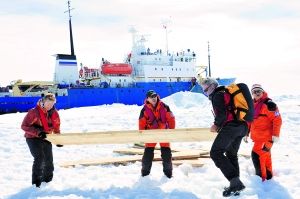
(116, 69)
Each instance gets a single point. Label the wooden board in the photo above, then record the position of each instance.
(127, 159)
(140, 151)
(133, 136)
(103, 161)
(132, 151)
(193, 162)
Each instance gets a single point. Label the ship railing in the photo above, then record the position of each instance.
(5, 94)
(4, 89)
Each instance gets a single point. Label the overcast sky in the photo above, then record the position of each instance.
(255, 41)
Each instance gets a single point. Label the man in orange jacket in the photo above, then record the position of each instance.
(265, 130)
(156, 115)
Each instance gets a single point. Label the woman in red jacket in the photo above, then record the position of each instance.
(156, 115)
(38, 122)
(265, 130)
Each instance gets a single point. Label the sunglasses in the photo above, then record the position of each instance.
(205, 90)
(153, 96)
(256, 92)
(50, 97)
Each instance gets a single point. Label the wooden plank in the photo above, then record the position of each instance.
(140, 151)
(192, 162)
(205, 155)
(127, 159)
(132, 136)
(132, 151)
(103, 161)
(140, 145)
(182, 155)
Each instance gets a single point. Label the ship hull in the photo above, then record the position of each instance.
(82, 97)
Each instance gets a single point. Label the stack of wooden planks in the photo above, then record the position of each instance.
(130, 155)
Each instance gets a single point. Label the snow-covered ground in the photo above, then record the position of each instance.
(191, 110)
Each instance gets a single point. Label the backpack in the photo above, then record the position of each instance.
(240, 102)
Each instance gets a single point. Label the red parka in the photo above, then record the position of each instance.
(159, 117)
(266, 123)
(32, 123)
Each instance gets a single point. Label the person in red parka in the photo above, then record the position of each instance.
(264, 131)
(38, 122)
(156, 115)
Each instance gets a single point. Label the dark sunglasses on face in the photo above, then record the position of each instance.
(153, 96)
(257, 92)
(205, 90)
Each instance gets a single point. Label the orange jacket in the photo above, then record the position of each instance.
(267, 121)
(159, 117)
(32, 123)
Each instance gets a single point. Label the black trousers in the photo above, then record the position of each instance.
(166, 156)
(225, 148)
(42, 168)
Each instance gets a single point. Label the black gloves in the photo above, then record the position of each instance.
(59, 145)
(267, 146)
(42, 135)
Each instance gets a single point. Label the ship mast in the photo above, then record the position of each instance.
(70, 27)
(165, 24)
(209, 71)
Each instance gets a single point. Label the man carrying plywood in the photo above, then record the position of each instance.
(156, 115)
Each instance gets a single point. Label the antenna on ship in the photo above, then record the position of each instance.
(133, 31)
(165, 23)
(209, 71)
(66, 75)
(70, 27)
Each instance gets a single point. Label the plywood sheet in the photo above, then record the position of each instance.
(133, 136)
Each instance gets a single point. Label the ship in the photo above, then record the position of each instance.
(143, 69)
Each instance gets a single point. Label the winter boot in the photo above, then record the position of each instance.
(236, 186)
(147, 161)
(48, 178)
(37, 183)
(36, 180)
(166, 156)
(269, 175)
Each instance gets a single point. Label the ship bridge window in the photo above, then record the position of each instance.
(24, 87)
(39, 88)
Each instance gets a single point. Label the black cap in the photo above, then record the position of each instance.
(150, 93)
